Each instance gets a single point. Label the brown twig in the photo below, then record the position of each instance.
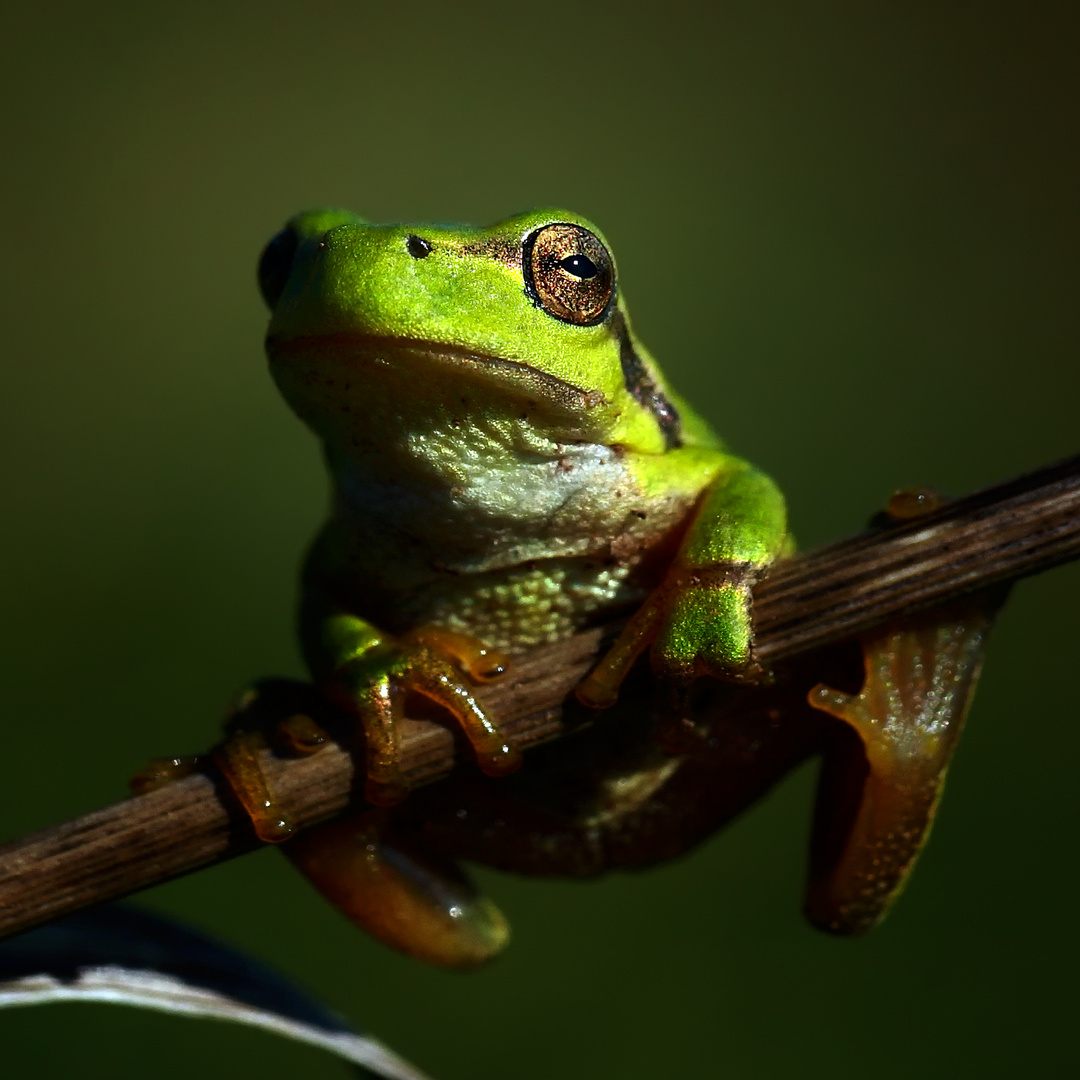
(1005, 532)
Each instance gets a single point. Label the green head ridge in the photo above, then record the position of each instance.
(524, 317)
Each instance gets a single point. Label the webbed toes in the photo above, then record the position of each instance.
(880, 791)
(374, 687)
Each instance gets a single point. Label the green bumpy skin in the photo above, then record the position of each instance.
(508, 461)
(508, 466)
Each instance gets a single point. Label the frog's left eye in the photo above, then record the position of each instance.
(275, 265)
(569, 273)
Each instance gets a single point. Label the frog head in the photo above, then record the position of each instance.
(377, 328)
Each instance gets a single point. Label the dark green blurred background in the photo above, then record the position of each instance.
(848, 231)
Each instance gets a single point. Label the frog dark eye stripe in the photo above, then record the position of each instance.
(641, 384)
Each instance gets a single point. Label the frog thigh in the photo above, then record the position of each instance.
(400, 890)
(611, 798)
(883, 775)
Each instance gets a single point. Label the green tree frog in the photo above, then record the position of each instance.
(509, 465)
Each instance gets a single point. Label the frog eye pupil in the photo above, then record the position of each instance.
(581, 266)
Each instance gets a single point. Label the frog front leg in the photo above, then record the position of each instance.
(880, 790)
(698, 621)
(369, 673)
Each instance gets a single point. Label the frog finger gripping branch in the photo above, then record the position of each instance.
(509, 466)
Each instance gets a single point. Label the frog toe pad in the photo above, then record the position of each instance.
(374, 687)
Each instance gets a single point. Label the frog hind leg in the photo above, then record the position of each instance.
(883, 775)
(400, 890)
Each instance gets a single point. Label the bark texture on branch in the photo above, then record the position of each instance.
(836, 592)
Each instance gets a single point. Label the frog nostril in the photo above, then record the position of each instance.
(418, 247)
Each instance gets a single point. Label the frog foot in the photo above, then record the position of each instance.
(277, 706)
(400, 890)
(698, 622)
(428, 662)
(239, 760)
(879, 792)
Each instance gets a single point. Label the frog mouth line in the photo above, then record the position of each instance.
(526, 380)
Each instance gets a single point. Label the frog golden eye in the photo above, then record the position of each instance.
(569, 273)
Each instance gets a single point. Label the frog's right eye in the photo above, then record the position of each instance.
(275, 265)
(569, 273)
